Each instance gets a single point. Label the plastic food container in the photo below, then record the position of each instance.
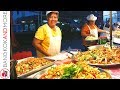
(102, 40)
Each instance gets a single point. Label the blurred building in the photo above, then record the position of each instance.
(118, 16)
(115, 16)
(30, 20)
(25, 20)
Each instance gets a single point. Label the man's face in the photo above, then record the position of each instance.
(91, 22)
(53, 19)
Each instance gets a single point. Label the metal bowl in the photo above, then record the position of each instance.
(91, 42)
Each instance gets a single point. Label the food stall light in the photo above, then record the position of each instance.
(95, 11)
(31, 21)
(23, 21)
(75, 20)
(44, 21)
(58, 22)
(77, 29)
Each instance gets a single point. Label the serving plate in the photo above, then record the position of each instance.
(94, 47)
(43, 72)
(102, 65)
(116, 40)
(106, 65)
(63, 55)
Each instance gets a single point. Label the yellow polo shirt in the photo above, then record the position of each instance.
(43, 34)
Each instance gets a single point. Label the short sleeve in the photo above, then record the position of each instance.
(40, 33)
(85, 30)
(60, 32)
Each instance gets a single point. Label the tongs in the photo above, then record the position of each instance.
(69, 52)
(73, 58)
(13, 74)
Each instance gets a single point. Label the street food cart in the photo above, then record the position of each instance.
(99, 62)
(106, 65)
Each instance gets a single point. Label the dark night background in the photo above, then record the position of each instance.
(24, 24)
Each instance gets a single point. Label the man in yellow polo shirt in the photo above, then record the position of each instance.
(47, 40)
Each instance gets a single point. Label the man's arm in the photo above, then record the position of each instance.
(102, 31)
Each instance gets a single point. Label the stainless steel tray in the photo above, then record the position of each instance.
(34, 70)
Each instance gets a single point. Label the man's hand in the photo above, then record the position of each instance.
(48, 54)
(107, 32)
(92, 35)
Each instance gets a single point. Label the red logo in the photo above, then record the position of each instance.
(5, 73)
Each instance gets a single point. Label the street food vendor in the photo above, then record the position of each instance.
(116, 26)
(47, 40)
(90, 29)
